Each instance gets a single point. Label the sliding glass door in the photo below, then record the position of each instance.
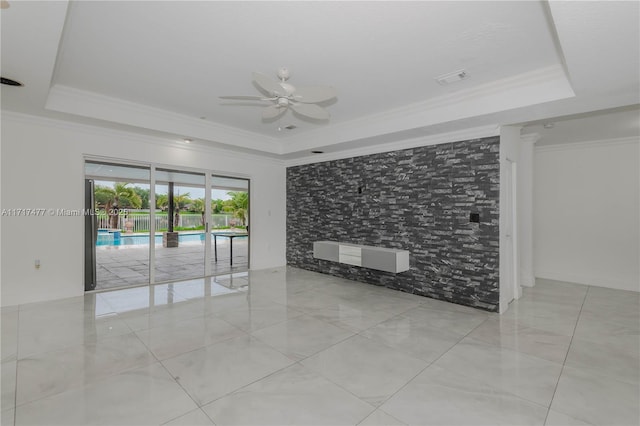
(180, 225)
(158, 224)
(117, 233)
(229, 224)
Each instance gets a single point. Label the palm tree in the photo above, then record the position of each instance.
(144, 196)
(239, 204)
(217, 206)
(162, 201)
(115, 199)
(198, 206)
(180, 202)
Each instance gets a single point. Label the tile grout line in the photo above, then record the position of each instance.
(178, 383)
(295, 362)
(248, 334)
(394, 349)
(188, 412)
(586, 293)
(131, 331)
(172, 376)
(589, 290)
(433, 362)
(96, 380)
(248, 384)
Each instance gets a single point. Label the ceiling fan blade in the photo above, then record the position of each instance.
(313, 94)
(272, 111)
(244, 98)
(311, 111)
(268, 85)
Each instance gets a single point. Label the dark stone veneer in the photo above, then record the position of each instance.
(417, 199)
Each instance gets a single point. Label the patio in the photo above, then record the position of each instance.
(119, 266)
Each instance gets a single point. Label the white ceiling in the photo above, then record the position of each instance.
(158, 67)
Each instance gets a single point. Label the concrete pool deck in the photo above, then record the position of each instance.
(120, 266)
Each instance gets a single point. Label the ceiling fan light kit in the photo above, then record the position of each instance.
(284, 96)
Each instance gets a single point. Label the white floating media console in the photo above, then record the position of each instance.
(382, 259)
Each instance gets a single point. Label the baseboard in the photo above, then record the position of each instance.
(606, 282)
(527, 280)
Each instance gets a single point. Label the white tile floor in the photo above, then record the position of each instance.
(287, 346)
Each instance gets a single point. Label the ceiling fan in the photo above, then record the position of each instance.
(283, 96)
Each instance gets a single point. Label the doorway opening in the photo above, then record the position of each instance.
(157, 224)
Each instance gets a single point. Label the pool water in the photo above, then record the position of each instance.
(106, 238)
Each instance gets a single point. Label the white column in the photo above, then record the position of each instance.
(525, 208)
(510, 288)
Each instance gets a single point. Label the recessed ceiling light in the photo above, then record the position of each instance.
(548, 125)
(187, 141)
(452, 77)
(10, 82)
(317, 152)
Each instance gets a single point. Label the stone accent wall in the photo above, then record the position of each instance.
(417, 199)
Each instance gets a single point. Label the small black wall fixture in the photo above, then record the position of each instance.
(10, 82)
(474, 217)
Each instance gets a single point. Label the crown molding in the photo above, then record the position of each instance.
(94, 105)
(456, 136)
(526, 89)
(530, 138)
(534, 87)
(528, 79)
(588, 144)
(133, 137)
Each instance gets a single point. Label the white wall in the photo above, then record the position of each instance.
(43, 167)
(586, 213)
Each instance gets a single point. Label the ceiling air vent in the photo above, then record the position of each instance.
(452, 77)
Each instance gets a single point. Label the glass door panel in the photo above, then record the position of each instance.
(180, 225)
(229, 225)
(117, 234)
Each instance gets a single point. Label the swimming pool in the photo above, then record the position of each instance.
(111, 238)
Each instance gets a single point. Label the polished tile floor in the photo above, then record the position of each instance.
(292, 347)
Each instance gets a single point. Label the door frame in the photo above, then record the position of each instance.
(208, 173)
